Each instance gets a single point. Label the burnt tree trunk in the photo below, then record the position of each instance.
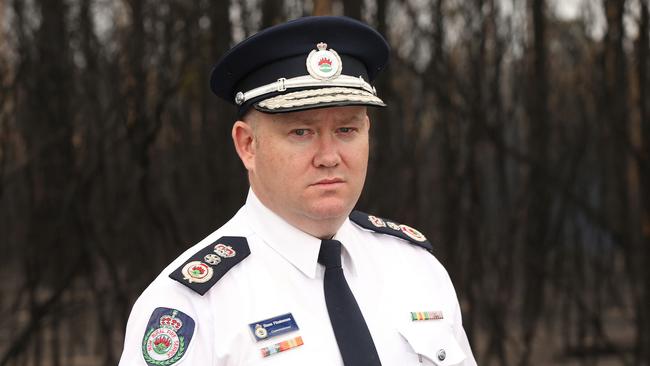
(536, 246)
(642, 347)
(352, 8)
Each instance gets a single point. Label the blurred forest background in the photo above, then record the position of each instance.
(517, 138)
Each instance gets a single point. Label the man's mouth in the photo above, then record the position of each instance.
(328, 181)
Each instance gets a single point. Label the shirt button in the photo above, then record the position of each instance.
(442, 355)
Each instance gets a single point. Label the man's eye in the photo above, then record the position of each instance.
(346, 129)
(300, 132)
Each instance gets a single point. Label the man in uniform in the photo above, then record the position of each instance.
(297, 277)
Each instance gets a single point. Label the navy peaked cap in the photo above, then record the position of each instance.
(310, 62)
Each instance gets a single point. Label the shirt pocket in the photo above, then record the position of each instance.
(434, 342)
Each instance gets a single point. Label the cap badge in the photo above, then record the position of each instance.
(324, 64)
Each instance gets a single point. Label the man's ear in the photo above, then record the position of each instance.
(243, 138)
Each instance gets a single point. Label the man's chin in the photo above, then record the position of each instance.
(330, 209)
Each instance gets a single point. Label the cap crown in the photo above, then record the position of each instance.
(281, 51)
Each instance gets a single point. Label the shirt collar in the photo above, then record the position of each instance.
(294, 245)
(348, 237)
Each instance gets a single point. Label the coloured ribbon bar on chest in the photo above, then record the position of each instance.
(282, 346)
(269, 328)
(426, 315)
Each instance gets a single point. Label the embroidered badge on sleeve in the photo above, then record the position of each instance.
(167, 336)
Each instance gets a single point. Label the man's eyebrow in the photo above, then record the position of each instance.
(305, 119)
(299, 120)
(351, 119)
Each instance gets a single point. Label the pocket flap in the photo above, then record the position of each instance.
(434, 340)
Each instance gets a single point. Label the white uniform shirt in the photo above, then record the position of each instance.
(390, 278)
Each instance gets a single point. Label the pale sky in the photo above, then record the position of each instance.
(567, 9)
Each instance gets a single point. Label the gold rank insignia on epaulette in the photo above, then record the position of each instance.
(201, 271)
(389, 227)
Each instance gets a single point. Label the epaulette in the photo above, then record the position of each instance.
(389, 227)
(201, 271)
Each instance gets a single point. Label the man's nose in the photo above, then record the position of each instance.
(327, 154)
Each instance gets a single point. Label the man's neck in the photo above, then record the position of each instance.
(322, 228)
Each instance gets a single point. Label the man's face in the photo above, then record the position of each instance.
(310, 165)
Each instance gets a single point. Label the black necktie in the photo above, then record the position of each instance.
(352, 334)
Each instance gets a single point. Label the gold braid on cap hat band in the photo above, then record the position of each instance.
(304, 82)
(318, 96)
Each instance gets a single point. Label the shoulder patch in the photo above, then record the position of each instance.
(167, 336)
(206, 267)
(385, 226)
